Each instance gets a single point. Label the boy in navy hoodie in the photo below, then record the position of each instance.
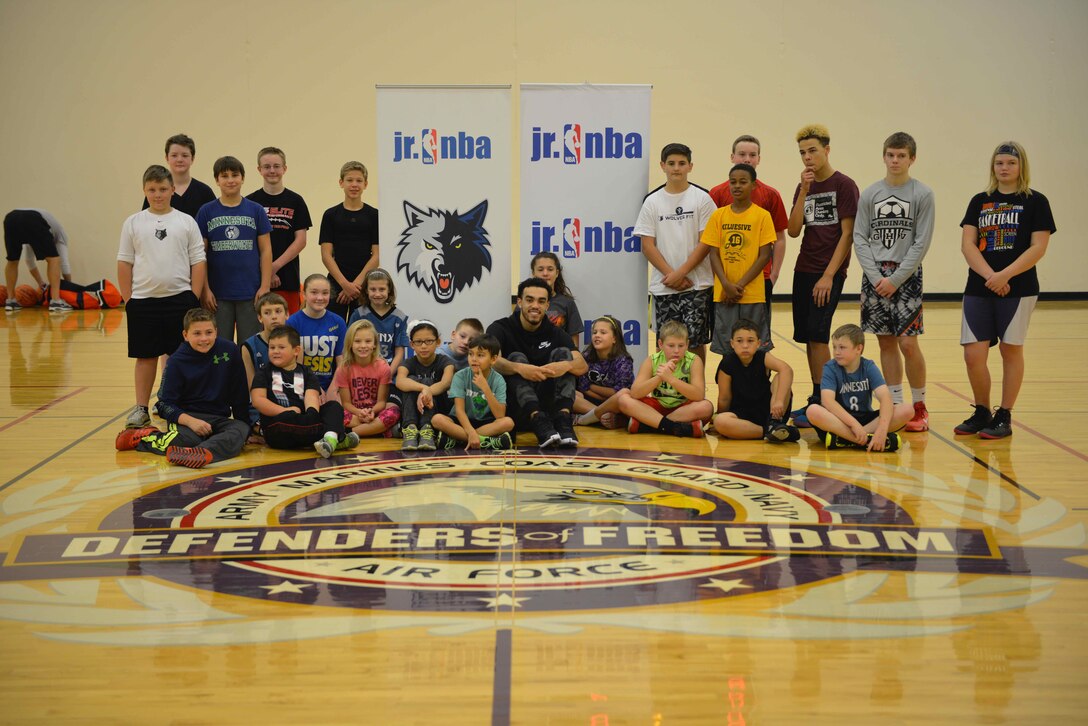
(204, 385)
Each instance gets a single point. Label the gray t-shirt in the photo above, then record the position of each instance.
(893, 224)
(563, 312)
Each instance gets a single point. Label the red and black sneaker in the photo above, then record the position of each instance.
(127, 439)
(194, 457)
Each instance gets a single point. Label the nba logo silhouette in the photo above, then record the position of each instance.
(430, 146)
(572, 237)
(572, 143)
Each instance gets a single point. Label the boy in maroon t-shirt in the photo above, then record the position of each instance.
(824, 204)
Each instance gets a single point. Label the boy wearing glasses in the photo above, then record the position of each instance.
(290, 218)
(423, 381)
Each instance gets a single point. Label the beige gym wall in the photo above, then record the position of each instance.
(91, 91)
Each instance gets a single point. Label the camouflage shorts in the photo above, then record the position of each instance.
(692, 308)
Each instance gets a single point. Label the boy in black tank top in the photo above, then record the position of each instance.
(750, 404)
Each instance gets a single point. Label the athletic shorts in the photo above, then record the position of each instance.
(996, 318)
(155, 323)
(898, 315)
(692, 308)
(661, 408)
(812, 324)
(293, 298)
(27, 227)
(724, 317)
(758, 412)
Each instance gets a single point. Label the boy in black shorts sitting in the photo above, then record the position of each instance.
(845, 416)
(752, 405)
(287, 395)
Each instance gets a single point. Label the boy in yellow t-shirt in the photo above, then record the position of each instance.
(743, 235)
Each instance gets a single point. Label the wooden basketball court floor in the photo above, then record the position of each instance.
(639, 580)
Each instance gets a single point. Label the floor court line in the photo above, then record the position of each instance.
(986, 466)
(500, 692)
(42, 408)
(55, 454)
(1021, 425)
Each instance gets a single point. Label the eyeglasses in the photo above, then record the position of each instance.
(427, 341)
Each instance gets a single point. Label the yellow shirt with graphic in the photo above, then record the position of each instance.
(737, 239)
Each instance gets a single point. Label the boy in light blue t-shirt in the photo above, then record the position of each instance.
(845, 416)
(478, 417)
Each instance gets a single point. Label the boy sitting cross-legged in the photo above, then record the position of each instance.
(668, 395)
(750, 404)
(479, 402)
(845, 417)
(203, 386)
(288, 396)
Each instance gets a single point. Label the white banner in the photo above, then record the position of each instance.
(584, 173)
(444, 159)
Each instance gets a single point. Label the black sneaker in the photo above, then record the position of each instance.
(832, 441)
(1000, 425)
(565, 427)
(546, 435)
(979, 420)
(445, 442)
(778, 432)
(892, 443)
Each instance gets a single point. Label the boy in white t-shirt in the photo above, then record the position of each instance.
(161, 271)
(670, 223)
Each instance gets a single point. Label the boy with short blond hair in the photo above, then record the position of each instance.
(824, 205)
(349, 241)
(670, 222)
(236, 233)
(892, 233)
(289, 217)
(161, 272)
(478, 418)
(204, 400)
(669, 392)
(844, 416)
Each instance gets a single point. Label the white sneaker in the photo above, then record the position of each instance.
(137, 418)
(60, 306)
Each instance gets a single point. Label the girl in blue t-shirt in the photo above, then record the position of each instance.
(321, 330)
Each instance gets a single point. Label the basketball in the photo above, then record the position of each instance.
(4, 292)
(28, 295)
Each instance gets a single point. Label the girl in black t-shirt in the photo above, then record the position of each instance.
(1006, 230)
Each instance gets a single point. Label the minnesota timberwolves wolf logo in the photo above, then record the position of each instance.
(442, 251)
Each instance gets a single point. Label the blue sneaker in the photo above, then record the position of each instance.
(800, 420)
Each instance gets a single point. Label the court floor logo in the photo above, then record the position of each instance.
(466, 532)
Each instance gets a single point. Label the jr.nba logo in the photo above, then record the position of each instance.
(572, 237)
(430, 146)
(572, 143)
